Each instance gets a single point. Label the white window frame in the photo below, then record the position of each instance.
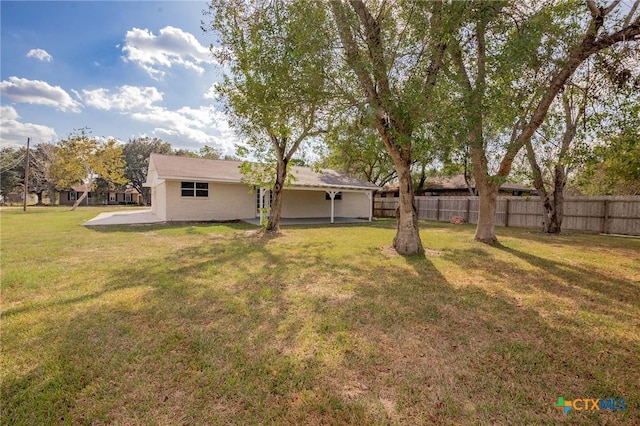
(197, 192)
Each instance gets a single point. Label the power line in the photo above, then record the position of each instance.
(15, 163)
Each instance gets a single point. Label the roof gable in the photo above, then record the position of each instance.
(170, 167)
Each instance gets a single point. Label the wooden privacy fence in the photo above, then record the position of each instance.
(607, 214)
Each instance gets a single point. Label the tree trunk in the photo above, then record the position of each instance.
(52, 196)
(486, 187)
(407, 240)
(273, 225)
(554, 206)
(79, 200)
(39, 194)
(487, 201)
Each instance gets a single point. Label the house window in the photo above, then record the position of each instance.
(113, 197)
(194, 189)
(72, 196)
(338, 196)
(127, 198)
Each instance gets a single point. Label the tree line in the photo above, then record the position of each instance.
(82, 159)
(395, 89)
(394, 85)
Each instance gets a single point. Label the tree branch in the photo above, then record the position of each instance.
(627, 20)
(353, 55)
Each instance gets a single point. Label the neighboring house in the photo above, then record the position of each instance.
(100, 196)
(456, 186)
(17, 198)
(197, 189)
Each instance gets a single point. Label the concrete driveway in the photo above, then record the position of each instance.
(129, 217)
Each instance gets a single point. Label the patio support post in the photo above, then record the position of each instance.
(332, 195)
(370, 196)
(261, 205)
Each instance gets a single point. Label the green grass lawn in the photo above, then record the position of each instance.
(216, 324)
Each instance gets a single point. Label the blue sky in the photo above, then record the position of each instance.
(123, 69)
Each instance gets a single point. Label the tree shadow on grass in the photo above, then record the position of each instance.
(495, 351)
(238, 329)
(213, 334)
(611, 290)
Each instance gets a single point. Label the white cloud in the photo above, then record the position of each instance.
(38, 92)
(127, 98)
(202, 125)
(212, 92)
(15, 132)
(171, 46)
(40, 54)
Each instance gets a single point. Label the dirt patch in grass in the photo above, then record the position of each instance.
(390, 252)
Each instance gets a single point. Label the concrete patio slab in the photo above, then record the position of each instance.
(129, 217)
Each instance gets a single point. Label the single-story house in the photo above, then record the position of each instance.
(456, 186)
(198, 189)
(100, 196)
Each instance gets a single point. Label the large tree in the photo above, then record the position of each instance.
(136, 154)
(81, 158)
(42, 181)
(532, 63)
(597, 102)
(275, 92)
(613, 167)
(392, 53)
(12, 162)
(355, 148)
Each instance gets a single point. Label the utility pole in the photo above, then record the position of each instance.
(26, 179)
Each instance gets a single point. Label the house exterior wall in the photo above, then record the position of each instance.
(298, 204)
(159, 200)
(353, 204)
(304, 204)
(233, 201)
(225, 202)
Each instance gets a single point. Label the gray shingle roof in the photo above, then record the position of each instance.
(179, 168)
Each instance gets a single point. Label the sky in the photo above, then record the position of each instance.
(124, 69)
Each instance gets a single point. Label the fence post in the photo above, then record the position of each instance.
(437, 209)
(605, 225)
(506, 214)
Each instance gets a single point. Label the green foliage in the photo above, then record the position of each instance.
(613, 168)
(210, 152)
(182, 152)
(136, 155)
(263, 175)
(81, 158)
(11, 168)
(357, 149)
(42, 159)
(276, 87)
(276, 90)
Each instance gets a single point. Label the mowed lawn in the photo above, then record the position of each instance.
(217, 324)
